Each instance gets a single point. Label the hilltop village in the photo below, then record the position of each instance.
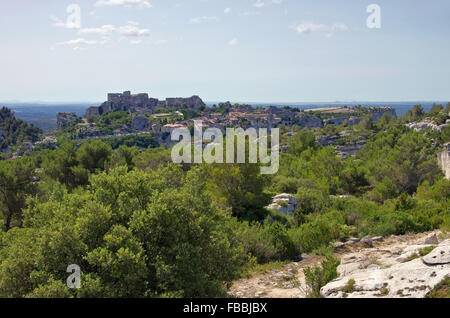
(162, 117)
(125, 114)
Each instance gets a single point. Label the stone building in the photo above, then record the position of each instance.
(141, 103)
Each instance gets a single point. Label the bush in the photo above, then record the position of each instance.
(312, 235)
(310, 201)
(318, 276)
(266, 243)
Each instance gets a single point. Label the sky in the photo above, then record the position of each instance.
(225, 50)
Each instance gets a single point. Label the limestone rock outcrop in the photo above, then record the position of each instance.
(444, 160)
(140, 123)
(64, 118)
(391, 275)
(427, 123)
(309, 122)
(284, 203)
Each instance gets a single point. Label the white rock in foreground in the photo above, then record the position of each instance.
(413, 279)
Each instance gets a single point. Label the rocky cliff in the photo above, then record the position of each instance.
(411, 270)
(444, 160)
(64, 118)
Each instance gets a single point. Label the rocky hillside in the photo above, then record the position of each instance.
(15, 132)
(406, 268)
(398, 266)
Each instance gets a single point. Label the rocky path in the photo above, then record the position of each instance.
(385, 267)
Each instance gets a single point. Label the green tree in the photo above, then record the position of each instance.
(384, 190)
(59, 164)
(302, 140)
(239, 187)
(16, 182)
(93, 155)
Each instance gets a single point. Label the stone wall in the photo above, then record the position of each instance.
(126, 101)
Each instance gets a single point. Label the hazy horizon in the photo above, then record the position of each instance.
(209, 102)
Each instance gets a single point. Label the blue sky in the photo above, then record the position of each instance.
(237, 50)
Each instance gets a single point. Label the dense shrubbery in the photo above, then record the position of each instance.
(140, 226)
(15, 131)
(141, 141)
(133, 233)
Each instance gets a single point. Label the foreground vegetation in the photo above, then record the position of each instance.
(140, 226)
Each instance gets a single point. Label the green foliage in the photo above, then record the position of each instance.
(426, 250)
(314, 233)
(267, 243)
(384, 190)
(134, 234)
(239, 187)
(140, 141)
(407, 158)
(114, 120)
(93, 155)
(123, 156)
(60, 164)
(349, 288)
(16, 131)
(16, 182)
(310, 201)
(318, 276)
(436, 109)
(282, 184)
(442, 290)
(302, 140)
(415, 114)
(446, 135)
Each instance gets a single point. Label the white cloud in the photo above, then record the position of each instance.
(132, 30)
(310, 27)
(234, 42)
(249, 13)
(203, 19)
(259, 4)
(103, 30)
(227, 10)
(124, 3)
(77, 42)
(105, 35)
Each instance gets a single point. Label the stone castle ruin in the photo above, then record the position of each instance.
(141, 102)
